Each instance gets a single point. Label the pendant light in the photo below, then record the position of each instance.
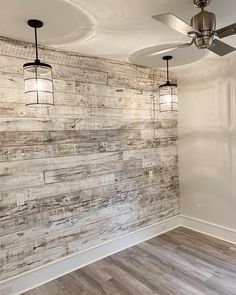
(168, 93)
(38, 77)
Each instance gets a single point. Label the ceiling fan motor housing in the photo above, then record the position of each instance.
(204, 22)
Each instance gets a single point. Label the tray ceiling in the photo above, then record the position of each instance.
(122, 29)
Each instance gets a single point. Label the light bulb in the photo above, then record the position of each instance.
(167, 98)
(38, 85)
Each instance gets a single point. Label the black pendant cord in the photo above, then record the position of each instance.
(36, 24)
(36, 44)
(167, 58)
(36, 60)
(167, 61)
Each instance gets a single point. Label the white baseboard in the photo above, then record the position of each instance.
(210, 229)
(39, 276)
(32, 279)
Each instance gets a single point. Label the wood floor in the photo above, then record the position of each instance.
(178, 262)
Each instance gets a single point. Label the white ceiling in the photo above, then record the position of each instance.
(118, 29)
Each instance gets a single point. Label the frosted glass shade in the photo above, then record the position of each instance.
(38, 84)
(168, 98)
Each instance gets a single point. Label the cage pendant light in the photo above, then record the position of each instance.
(38, 77)
(168, 100)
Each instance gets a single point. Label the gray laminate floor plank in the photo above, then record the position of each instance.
(180, 262)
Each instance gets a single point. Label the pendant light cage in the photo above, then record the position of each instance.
(168, 95)
(38, 77)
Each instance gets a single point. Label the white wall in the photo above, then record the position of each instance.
(207, 141)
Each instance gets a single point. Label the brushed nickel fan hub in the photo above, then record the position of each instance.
(201, 3)
(205, 23)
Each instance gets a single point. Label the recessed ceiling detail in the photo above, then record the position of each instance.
(111, 29)
(181, 56)
(64, 22)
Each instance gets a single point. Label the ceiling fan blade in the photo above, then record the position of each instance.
(170, 48)
(175, 23)
(226, 31)
(221, 48)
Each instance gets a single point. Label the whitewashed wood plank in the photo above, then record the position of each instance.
(32, 138)
(48, 151)
(133, 82)
(20, 181)
(40, 165)
(57, 124)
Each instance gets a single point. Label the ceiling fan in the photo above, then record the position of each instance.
(202, 30)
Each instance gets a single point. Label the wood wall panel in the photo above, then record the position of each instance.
(101, 163)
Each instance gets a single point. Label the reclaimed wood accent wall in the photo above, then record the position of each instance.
(98, 165)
